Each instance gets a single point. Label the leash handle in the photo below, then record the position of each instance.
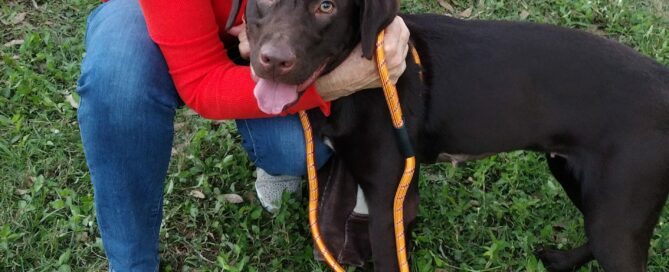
(313, 195)
(389, 89)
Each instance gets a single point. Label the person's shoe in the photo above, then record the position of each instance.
(270, 188)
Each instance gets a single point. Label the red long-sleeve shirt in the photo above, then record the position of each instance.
(189, 34)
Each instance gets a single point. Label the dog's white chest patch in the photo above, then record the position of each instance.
(455, 159)
(328, 142)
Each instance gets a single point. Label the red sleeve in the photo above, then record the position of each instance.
(206, 79)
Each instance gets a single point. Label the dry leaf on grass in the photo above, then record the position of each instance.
(178, 149)
(13, 42)
(196, 194)
(233, 198)
(36, 6)
(179, 125)
(73, 102)
(480, 4)
(21, 191)
(446, 6)
(466, 13)
(19, 17)
(524, 14)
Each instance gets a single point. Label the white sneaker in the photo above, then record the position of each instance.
(270, 188)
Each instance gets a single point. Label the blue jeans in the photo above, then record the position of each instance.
(128, 104)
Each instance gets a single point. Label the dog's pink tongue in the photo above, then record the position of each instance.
(273, 97)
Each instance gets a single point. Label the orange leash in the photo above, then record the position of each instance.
(313, 195)
(392, 99)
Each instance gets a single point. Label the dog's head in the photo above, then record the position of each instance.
(293, 42)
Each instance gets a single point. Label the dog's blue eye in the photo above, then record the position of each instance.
(326, 7)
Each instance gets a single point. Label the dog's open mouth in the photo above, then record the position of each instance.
(274, 97)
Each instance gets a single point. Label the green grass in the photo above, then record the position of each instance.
(484, 216)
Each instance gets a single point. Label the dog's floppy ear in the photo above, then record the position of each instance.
(375, 15)
(234, 11)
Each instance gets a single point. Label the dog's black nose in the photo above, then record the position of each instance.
(277, 59)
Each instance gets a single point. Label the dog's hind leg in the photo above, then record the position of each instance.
(559, 260)
(623, 196)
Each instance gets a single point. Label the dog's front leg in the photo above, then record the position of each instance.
(379, 183)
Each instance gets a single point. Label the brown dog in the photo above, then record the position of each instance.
(489, 87)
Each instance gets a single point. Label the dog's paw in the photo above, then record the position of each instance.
(554, 260)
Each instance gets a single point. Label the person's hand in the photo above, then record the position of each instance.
(240, 32)
(358, 73)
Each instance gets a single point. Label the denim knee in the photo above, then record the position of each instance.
(277, 146)
(123, 70)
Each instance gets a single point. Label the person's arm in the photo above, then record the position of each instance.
(209, 82)
(206, 79)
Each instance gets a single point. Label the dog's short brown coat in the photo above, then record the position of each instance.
(490, 87)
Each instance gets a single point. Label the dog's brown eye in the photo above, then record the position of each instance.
(326, 7)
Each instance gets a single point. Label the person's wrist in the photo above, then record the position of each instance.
(328, 90)
(323, 88)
